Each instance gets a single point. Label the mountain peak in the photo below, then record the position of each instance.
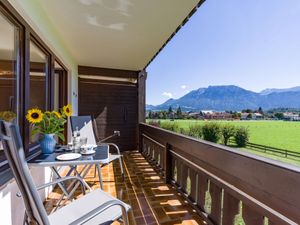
(278, 90)
(232, 97)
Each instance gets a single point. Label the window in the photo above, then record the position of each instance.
(26, 78)
(9, 73)
(60, 90)
(38, 81)
(59, 86)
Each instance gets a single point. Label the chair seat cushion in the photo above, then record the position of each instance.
(84, 205)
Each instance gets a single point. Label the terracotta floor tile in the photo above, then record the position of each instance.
(153, 202)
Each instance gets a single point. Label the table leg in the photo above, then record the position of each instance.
(57, 176)
(100, 176)
(84, 172)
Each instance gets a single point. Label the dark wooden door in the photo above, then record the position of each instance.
(114, 106)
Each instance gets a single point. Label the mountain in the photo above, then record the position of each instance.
(276, 90)
(234, 98)
(150, 107)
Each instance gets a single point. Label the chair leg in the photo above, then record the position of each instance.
(121, 167)
(125, 216)
(25, 222)
(95, 171)
(100, 176)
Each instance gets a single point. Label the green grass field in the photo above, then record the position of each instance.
(279, 134)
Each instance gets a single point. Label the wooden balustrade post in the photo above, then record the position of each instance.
(140, 143)
(167, 163)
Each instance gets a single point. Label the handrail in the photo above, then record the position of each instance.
(265, 187)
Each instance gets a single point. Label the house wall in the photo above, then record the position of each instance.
(11, 207)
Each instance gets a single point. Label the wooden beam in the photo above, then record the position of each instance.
(107, 72)
(141, 104)
(142, 76)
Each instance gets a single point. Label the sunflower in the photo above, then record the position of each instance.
(67, 110)
(34, 115)
(7, 116)
(57, 114)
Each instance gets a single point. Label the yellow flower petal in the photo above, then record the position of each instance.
(34, 115)
(57, 114)
(67, 110)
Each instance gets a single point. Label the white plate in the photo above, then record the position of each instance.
(87, 152)
(68, 156)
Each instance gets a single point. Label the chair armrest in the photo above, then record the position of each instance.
(115, 134)
(100, 209)
(112, 144)
(60, 180)
(63, 179)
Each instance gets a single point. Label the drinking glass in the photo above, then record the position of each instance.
(83, 141)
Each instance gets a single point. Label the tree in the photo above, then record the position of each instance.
(164, 113)
(179, 113)
(211, 132)
(279, 115)
(227, 131)
(150, 116)
(241, 136)
(170, 113)
(260, 110)
(247, 111)
(236, 115)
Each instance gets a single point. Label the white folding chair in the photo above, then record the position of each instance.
(87, 128)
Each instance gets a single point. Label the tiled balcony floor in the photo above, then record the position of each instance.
(152, 201)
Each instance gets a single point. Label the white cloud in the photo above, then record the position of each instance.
(183, 86)
(167, 94)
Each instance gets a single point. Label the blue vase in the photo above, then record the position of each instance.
(47, 143)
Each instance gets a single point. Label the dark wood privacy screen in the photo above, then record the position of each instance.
(114, 105)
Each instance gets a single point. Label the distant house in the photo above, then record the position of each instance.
(291, 116)
(213, 115)
(257, 116)
(207, 112)
(245, 116)
(251, 116)
(195, 115)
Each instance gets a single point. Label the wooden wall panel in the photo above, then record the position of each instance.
(114, 106)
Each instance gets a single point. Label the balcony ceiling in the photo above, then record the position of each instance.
(121, 34)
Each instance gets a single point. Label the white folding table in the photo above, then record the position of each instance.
(101, 156)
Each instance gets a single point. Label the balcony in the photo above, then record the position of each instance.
(169, 178)
(175, 179)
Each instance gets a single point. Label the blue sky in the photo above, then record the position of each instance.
(252, 44)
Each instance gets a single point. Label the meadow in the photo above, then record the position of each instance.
(278, 134)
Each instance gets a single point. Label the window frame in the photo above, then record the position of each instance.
(27, 34)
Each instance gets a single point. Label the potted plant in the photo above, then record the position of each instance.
(48, 125)
(7, 116)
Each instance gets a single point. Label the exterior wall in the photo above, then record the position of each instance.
(11, 207)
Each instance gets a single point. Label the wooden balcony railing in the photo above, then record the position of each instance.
(224, 184)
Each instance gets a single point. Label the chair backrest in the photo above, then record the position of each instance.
(14, 152)
(85, 127)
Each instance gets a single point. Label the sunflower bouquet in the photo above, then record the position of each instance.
(49, 122)
(7, 116)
